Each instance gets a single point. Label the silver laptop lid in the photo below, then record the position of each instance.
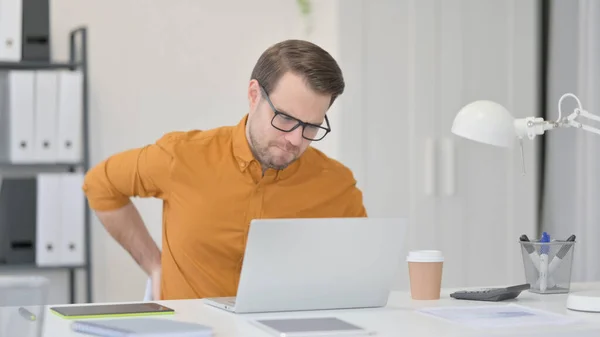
(328, 263)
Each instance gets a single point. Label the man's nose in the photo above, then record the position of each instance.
(295, 137)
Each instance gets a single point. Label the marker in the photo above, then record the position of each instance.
(28, 315)
(533, 255)
(560, 255)
(544, 262)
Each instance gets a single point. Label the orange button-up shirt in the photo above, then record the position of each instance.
(211, 187)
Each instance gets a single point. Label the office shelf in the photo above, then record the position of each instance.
(77, 61)
(29, 266)
(38, 65)
(40, 166)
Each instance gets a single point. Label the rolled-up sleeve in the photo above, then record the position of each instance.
(140, 172)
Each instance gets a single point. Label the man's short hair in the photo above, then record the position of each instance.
(306, 59)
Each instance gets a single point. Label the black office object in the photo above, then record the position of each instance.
(565, 249)
(491, 294)
(35, 45)
(18, 220)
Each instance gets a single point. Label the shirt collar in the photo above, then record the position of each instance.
(244, 156)
(241, 148)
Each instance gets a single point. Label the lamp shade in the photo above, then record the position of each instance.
(486, 122)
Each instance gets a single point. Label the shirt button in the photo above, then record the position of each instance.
(242, 165)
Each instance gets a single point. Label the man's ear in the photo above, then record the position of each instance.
(253, 94)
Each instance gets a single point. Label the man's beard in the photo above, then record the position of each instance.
(261, 153)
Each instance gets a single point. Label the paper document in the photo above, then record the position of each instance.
(495, 316)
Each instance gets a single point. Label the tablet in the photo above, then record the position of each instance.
(305, 327)
(111, 310)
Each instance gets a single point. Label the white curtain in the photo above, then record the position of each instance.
(571, 185)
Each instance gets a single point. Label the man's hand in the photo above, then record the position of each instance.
(155, 279)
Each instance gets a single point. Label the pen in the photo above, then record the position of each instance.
(560, 255)
(533, 255)
(28, 315)
(544, 261)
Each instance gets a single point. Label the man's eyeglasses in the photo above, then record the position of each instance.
(286, 123)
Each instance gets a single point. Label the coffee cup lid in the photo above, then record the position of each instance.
(425, 256)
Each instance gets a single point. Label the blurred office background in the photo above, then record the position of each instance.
(410, 65)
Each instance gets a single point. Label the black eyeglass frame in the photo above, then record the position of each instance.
(298, 122)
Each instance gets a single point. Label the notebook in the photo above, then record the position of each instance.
(141, 327)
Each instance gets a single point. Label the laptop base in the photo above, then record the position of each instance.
(225, 303)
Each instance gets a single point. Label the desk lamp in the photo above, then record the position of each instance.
(490, 123)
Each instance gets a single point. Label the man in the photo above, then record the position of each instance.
(214, 182)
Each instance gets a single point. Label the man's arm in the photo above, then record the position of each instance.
(142, 172)
(126, 226)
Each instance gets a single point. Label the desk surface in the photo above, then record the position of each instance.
(398, 318)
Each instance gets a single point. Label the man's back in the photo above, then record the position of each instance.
(212, 187)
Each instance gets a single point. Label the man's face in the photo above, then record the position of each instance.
(274, 148)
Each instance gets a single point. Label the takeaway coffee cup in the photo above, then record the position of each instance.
(425, 273)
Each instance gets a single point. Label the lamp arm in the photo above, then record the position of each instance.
(534, 126)
(570, 121)
(559, 119)
(531, 127)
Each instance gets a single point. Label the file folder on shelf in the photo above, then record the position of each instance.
(17, 220)
(36, 30)
(72, 218)
(48, 233)
(45, 111)
(11, 30)
(17, 116)
(70, 119)
(60, 220)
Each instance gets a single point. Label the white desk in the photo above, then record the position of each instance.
(397, 319)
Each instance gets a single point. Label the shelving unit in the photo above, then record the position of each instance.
(77, 61)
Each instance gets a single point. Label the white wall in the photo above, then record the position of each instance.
(419, 62)
(158, 66)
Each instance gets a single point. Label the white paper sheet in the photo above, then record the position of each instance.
(495, 316)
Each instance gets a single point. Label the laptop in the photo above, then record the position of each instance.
(317, 264)
(22, 305)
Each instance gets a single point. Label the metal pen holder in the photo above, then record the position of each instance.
(548, 265)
